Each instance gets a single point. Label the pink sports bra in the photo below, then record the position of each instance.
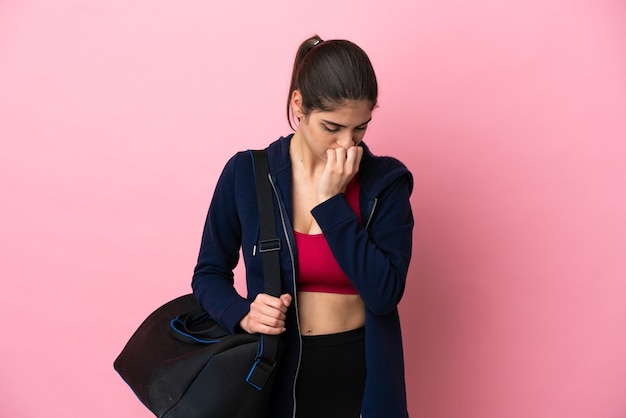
(318, 270)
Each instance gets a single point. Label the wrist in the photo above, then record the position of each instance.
(243, 324)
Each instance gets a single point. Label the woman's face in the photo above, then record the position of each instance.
(342, 127)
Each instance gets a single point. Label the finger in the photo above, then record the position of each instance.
(353, 158)
(271, 322)
(257, 319)
(271, 301)
(280, 305)
(331, 159)
(340, 159)
(358, 152)
(264, 311)
(286, 299)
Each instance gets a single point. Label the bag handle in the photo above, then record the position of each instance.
(196, 327)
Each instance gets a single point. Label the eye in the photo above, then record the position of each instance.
(329, 129)
(361, 128)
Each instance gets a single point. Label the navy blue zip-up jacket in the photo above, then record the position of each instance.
(374, 255)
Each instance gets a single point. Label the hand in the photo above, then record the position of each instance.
(267, 315)
(341, 166)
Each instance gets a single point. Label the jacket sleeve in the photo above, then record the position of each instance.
(376, 259)
(213, 279)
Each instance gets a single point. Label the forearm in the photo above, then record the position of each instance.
(375, 260)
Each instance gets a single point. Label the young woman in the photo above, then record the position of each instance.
(345, 224)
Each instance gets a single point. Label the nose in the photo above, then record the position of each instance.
(346, 140)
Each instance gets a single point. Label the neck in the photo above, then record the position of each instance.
(303, 158)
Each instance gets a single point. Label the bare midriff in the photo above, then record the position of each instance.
(329, 313)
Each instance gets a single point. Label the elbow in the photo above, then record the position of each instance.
(382, 301)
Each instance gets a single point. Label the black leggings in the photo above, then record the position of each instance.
(331, 378)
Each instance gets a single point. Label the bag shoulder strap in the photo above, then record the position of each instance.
(269, 243)
(269, 248)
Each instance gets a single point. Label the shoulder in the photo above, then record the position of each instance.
(242, 160)
(379, 172)
(277, 151)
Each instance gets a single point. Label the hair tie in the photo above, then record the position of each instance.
(317, 42)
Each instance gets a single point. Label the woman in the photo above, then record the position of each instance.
(345, 225)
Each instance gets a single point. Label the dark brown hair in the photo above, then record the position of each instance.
(329, 73)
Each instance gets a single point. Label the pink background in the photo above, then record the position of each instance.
(116, 118)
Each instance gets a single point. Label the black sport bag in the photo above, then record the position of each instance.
(182, 364)
(187, 366)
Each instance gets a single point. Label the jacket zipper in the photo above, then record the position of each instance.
(293, 275)
(293, 278)
(369, 218)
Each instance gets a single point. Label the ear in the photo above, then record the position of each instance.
(296, 104)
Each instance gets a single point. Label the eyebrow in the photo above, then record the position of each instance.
(343, 126)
